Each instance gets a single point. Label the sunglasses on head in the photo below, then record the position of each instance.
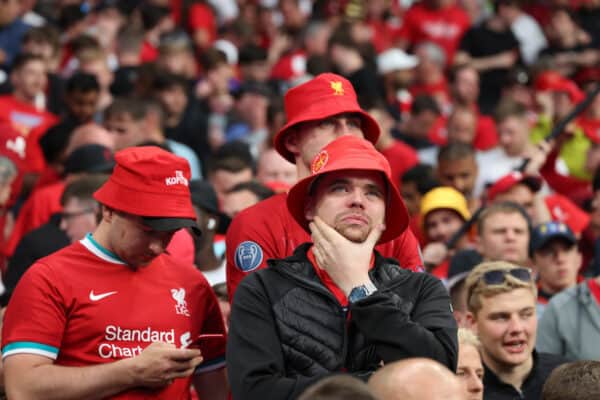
(498, 276)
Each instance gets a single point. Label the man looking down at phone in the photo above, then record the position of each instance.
(112, 315)
(336, 305)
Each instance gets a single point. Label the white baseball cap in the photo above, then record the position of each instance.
(395, 60)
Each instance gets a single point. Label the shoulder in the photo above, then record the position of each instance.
(567, 297)
(263, 212)
(546, 362)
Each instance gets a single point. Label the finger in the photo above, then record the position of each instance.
(375, 234)
(184, 354)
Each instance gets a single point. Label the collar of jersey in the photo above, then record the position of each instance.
(98, 250)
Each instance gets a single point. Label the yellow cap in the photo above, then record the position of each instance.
(445, 197)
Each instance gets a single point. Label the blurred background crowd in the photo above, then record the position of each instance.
(464, 91)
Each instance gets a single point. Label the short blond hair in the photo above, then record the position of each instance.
(476, 287)
(468, 337)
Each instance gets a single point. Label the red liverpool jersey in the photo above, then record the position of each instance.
(83, 306)
(267, 230)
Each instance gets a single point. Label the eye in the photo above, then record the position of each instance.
(374, 193)
(338, 188)
(354, 122)
(326, 123)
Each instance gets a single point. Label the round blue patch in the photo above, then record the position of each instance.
(248, 256)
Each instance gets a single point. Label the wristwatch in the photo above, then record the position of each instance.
(360, 292)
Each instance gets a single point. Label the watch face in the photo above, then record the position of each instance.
(359, 292)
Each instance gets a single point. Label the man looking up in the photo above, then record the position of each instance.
(336, 304)
(317, 111)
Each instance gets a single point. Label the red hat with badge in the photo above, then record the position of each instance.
(324, 96)
(351, 153)
(153, 183)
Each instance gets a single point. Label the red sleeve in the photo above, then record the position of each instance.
(249, 244)
(574, 188)
(36, 313)
(405, 248)
(486, 136)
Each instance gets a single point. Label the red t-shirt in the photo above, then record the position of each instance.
(267, 230)
(31, 124)
(444, 26)
(84, 307)
(401, 157)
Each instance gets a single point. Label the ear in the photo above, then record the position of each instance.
(309, 209)
(471, 321)
(107, 214)
(291, 142)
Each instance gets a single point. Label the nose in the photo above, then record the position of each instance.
(515, 324)
(356, 198)
(474, 385)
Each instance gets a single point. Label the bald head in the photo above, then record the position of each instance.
(90, 134)
(412, 380)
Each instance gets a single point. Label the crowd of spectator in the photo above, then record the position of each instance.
(464, 96)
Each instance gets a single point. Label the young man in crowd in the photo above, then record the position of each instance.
(365, 310)
(317, 111)
(503, 233)
(502, 302)
(443, 212)
(92, 329)
(556, 259)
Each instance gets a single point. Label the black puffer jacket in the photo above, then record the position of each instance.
(287, 330)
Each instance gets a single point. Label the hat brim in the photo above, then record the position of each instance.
(558, 235)
(370, 127)
(396, 215)
(171, 224)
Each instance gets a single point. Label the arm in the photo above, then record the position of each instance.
(428, 330)
(255, 362)
(212, 385)
(249, 226)
(30, 376)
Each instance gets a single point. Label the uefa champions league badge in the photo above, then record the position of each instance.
(248, 256)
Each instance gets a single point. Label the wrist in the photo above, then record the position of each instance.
(361, 291)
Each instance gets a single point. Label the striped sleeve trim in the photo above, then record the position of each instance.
(30, 348)
(210, 365)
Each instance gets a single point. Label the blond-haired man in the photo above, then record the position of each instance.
(501, 299)
(470, 368)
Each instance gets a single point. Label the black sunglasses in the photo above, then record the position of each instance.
(498, 276)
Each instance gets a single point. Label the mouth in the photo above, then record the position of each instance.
(355, 219)
(515, 346)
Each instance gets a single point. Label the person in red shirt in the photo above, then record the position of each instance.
(113, 315)
(317, 111)
(440, 21)
(24, 109)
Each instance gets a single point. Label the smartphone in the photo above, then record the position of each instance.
(207, 341)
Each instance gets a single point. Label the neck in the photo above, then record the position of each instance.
(511, 374)
(302, 170)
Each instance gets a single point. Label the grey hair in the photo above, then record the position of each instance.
(434, 52)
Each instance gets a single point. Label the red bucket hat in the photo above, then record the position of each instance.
(505, 183)
(554, 82)
(351, 153)
(152, 183)
(324, 96)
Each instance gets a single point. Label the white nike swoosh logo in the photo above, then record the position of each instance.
(96, 297)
